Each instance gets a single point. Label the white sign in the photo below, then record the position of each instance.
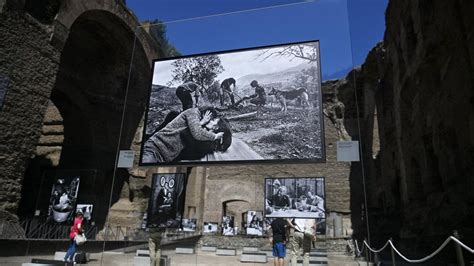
(348, 151)
(126, 159)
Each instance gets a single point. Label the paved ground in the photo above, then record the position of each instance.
(199, 259)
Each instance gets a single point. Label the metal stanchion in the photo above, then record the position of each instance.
(393, 254)
(367, 258)
(459, 255)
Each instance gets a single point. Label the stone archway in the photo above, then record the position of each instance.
(235, 208)
(97, 40)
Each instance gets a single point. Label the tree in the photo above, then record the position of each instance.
(203, 70)
(157, 30)
(303, 51)
(213, 92)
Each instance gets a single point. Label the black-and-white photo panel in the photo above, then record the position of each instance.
(189, 225)
(86, 210)
(210, 227)
(254, 223)
(295, 197)
(228, 228)
(259, 104)
(62, 202)
(166, 204)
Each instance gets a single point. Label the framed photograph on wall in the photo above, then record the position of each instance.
(86, 210)
(166, 203)
(228, 227)
(62, 201)
(296, 197)
(254, 223)
(189, 225)
(255, 105)
(210, 227)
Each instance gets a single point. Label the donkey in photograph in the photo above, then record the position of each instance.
(283, 96)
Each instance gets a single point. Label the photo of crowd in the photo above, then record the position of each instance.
(189, 225)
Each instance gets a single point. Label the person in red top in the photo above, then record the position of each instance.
(76, 229)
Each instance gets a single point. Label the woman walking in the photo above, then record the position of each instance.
(75, 230)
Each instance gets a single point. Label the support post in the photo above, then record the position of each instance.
(367, 258)
(459, 255)
(393, 254)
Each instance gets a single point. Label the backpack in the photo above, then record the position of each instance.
(80, 257)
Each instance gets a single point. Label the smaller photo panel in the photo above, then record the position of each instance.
(86, 210)
(210, 227)
(62, 201)
(189, 225)
(228, 227)
(255, 223)
(166, 204)
(302, 197)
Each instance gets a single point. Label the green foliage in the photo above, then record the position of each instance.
(213, 92)
(308, 79)
(203, 70)
(157, 31)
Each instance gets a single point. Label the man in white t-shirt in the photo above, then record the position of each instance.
(304, 234)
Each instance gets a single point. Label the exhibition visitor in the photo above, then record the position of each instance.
(303, 234)
(279, 228)
(155, 235)
(76, 229)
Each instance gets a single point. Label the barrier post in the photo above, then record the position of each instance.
(367, 258)
(459, 255)
(393, 253)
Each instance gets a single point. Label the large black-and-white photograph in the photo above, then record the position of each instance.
(189, 225)
(254, 223)
(210, 227)
(62, 202)
(295, 197)
(261, 104)
(166, 204)
(228, 228)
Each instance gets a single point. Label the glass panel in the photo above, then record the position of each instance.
(217, 194)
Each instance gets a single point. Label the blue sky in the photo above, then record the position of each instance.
(347, 29)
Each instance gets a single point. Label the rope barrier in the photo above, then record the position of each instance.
(389, 242)
(359, 252)
(376, 251)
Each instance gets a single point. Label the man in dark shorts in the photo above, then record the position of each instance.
(279, 227)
